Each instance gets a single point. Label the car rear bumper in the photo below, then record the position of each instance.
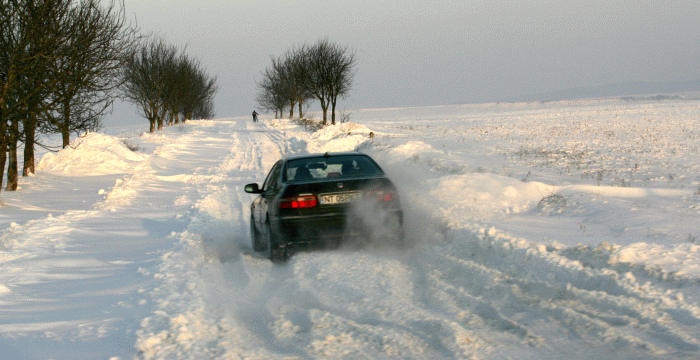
(329, 230)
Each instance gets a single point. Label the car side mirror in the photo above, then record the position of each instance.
(253, 189)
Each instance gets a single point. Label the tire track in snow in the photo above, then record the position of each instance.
(100, 255)
(603, 257)
(538, 293)
(461, 292)
(257, 309)
(257, 150)
(204, 276)
(287, 312)
(589, 306)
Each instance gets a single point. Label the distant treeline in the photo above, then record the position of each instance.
(626, 89)
(322, 71)
(64, 62)
(660, 97)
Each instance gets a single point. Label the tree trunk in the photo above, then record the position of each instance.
(291, 111)
(3, 132)
(3, 143)
(3, 149)
(12, 168)
(12, 165)
(301, 114)
(3, 160)
(29, 137)
(66, 138)
(160, 123)
(65, 128)
(324, 107)
(153, 125)
(333, 113)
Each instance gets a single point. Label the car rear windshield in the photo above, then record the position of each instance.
(339, 167)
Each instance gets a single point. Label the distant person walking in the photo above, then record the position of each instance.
(255, 116)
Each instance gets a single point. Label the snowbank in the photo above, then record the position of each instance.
(93, 154)
(544, 231)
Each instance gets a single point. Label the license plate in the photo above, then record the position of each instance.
(339, 198)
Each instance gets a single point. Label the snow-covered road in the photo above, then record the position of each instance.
(502, 265)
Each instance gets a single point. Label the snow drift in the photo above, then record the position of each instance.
(559, 230)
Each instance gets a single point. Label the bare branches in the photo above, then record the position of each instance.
(144, 79)
(323, 71)
(89, 70)
(276, 90)
(61, 58)
(163, 82)
(331, 70)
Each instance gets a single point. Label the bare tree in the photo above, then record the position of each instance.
(89, 67)
(284, 83)
(342, 63)
(32, 36)
(203, 110)
(162, 82)
(54, 59)
(268, 99)
(176, 89)
(297, 71)
(171, 79)
(198, 91)
(329, 70)
(273, 91)
(143, 79)
(284, 79)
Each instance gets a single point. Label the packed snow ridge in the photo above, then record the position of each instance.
(562, 230)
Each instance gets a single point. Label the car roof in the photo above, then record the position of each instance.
(327, 154)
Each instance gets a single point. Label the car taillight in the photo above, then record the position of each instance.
(382, 195)
(298, 202)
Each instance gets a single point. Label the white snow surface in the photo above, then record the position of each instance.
(564, 230)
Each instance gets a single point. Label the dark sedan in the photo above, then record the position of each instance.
(323, 200)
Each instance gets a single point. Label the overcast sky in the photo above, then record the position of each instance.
(435, 52)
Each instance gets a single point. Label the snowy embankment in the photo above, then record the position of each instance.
(562, 230)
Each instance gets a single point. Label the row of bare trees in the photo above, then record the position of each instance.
(323, 71)
(64, 62)
(59, 61)
(167, 85)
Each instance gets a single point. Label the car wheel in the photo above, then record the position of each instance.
(274, 252)
(396, 236)
(401, 238)
(255, 237)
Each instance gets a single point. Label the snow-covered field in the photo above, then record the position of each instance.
(566, 230)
